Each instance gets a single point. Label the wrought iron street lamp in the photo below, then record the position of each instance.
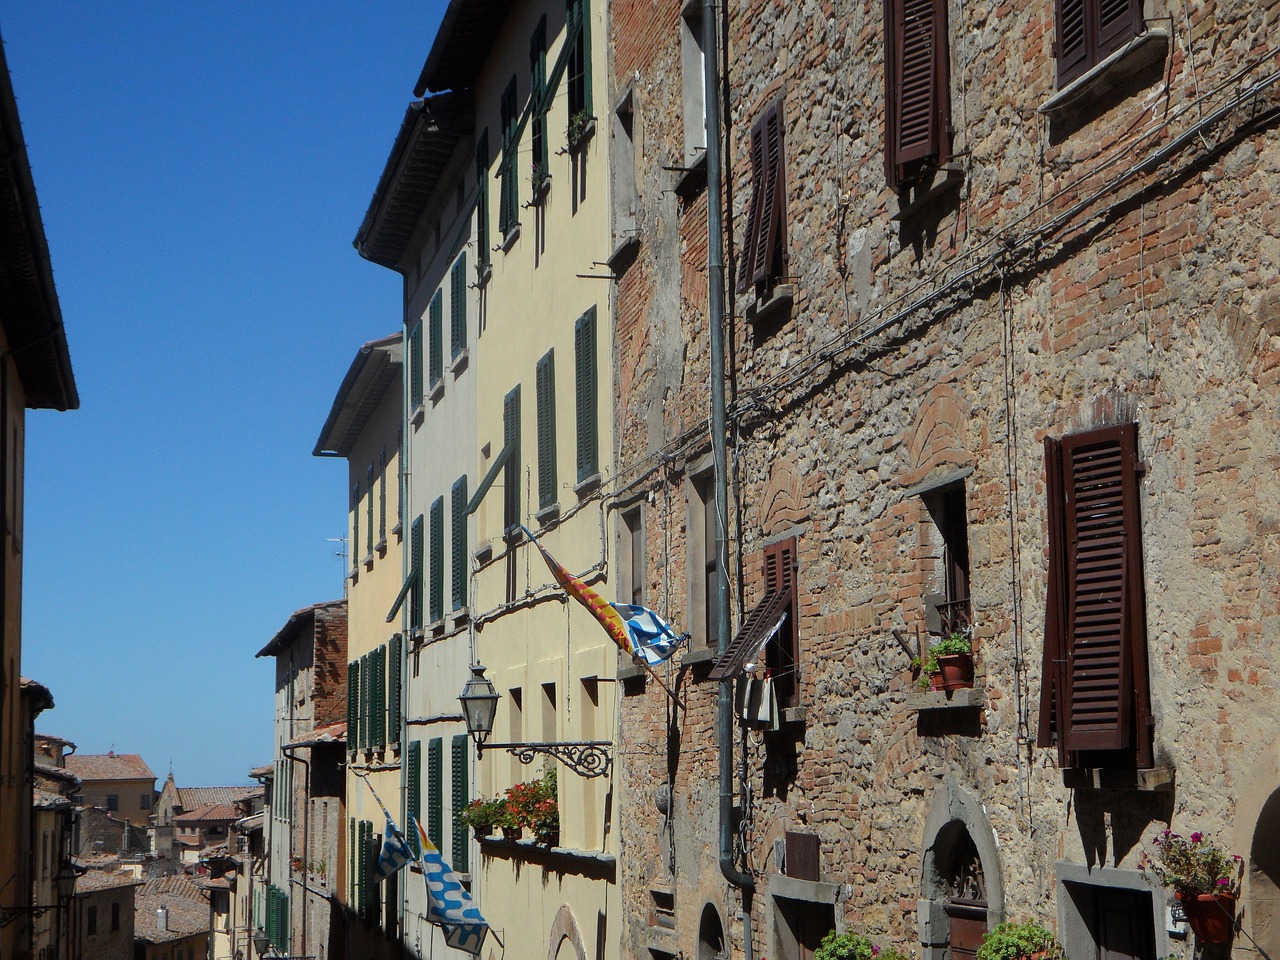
(479, 699)
(64, 882)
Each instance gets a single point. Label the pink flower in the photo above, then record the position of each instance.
(1224, 882)
(1197, 837)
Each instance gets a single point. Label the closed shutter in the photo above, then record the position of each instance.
(366, 714)
(355, 525)
(368, 534)
(436, 355)
(413, 794)
(587, 395)
(1119, 21)
(353, 705)
(415, 366)
(458, 305)
(538, 97)
(435, 791)
(1100, 701)
(437, 559)
(511, 472)
(508, 191)
(382, 501)
(546, 383)
(482, 200)
(380, 697)
(764, 253)
(416, 559)
(1072, 43)
(395, 654)
(458, 508)
(1088, 31)
(366, 867)
(353, 882)
(460, 794)
(918, 103)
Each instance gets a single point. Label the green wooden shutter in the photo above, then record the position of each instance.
(538, 101)
(435, 791)
(413, 794)
(436, 356)
(482, 201)
(511, 473)
(368, 534)
(378, 697)
(461, 851)
(509, 195)
(400, 464)
(355, 525)
(395, 654)
(353, 883)
(586, 394)
(366, 684)
(546, 390)
(415, 592)
(437, 559)
(458, 305)
(459, 516)
(415, 366)
(366, 867)
(382, 500)
(353, 705)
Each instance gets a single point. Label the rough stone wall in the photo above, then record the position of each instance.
(1066, 285)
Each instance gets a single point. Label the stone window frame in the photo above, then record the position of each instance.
(813, 892)
(1074, 929)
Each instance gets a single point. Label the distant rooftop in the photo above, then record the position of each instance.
(109, 766)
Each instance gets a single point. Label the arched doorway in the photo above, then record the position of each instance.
(966, 887)
(711, 940)
(1264, 878)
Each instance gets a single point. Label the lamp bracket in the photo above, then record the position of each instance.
(10, 914)
(586, 758)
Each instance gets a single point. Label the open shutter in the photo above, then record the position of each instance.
(482, 201)
(587, 395)
(546, 383)
(413, 795)
(436, 355)
(461, 847)
(774, 220)
(415, 366)
(751, 240)
(416, 569)
(353, 705)
(437, 560)
(435, 791)
(1052, 667)
(917, 108)
(1072, 40)
(511, 471)
(395, 653)
(458, 306)
(459, 517)
(1105, 697)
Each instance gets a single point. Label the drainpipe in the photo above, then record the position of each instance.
(306, 837)
(719, 429)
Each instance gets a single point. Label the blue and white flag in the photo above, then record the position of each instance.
(448, 904)
(395, 853)
(652, 638)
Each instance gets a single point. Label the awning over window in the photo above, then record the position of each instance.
(761, 626)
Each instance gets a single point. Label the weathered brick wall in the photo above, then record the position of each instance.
(329, 683)
(1154, 301)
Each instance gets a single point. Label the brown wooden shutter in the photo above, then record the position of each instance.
(764, 252)
(918, 103)
(1072, 44)
(1105, 701)
(751, 238)
(1118, 22)
(1052, 674)
(1089, 30)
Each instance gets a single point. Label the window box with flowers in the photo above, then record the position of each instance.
(853, 946)
(1205, 880)
(534, 805)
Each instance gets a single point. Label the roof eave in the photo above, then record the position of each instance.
(362, 388)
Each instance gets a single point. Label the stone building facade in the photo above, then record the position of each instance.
(1075, 260)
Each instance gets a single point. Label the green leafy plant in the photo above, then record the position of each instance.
(844, 946)
(482, 814)
(533, 805)
(959, 643)
(539, 175)
(578, 126)
(1192, 865)
(1017, 941)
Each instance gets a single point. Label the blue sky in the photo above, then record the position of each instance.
(201, 170)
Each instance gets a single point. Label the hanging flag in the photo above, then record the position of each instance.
(651, 637)
(448, 904)
(632, 641)
(396, 852)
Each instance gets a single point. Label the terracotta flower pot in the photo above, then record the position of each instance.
(1211, 916)
(955, 671)
(935, 681)
(512, 833)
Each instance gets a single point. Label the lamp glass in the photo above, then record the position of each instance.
(479, 704)
(261, 941)
(65, 881)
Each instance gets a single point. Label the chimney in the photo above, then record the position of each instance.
(162, 919)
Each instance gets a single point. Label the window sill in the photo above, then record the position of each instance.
(694, 656)
(1154, 780)
(587, 486)
(483, 553)
(774, 308)
(437, 390)
(354, 575)
(952, 178)
(624, 251)
(484, 273)
(368, 561)
(509, 238)
(436, 627)
(398, 530)
(459, 363)
(556, 859)
(693, 177)
(460, 617)
(539, 192)
(419, 413)
(969, 698)
(1116, 70)
(579, 143)
(381, 548)
(548, 514)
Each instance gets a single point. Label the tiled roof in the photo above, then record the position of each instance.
(263, 771)
(195, 798)
(105, 880)
(50, 772)
(220, 812)
(332, 733)
(44, 800)
(181, 897)
(109, 766)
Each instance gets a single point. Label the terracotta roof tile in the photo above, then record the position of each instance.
(194, 798)
(220, 812)
(105, 880)
(109, 766)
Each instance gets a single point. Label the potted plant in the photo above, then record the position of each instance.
(540, 178)
(949, 663)
(481, 815)
(1204, 878)
(1018, 941)
(544, 815)
(580, 124)
(506, 818)
(844, 946)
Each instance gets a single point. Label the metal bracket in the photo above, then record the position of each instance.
(587, 759)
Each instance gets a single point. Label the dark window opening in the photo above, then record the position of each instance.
(947, 608)
(764, 255)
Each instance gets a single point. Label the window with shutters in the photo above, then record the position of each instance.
(944, 546)
(395, 656)
(546, 389)
(768, 642)
(763, 260)
(415, 367)
(511, 471)
(1088, 31)
(541, 167)
(435, 792)
(631, 557)
(355, 527)
(586, 393)
(508, 183)
(368, 533)
(413, 795)
(693, 83)
(378, 698)
(1095, 699)
(436, 566)
(918, 106)
(353, 706)
(703, 560)
(482, 206)
(436, 346)
(459, 795)
(417, 573)
(578, 69)
(458, 307)
(458, 568)
(382, 505)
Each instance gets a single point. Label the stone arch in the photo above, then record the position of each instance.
(712, 941)
(1257, 825)
(956, 823)
(566, 938)
(783, 506)
(937, 437)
